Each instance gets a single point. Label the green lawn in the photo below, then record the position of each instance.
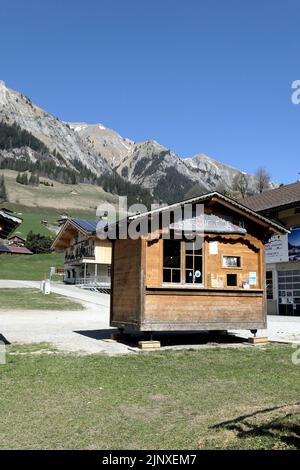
(29, 268)
(32, 217)
(234, 398)
(33, 299)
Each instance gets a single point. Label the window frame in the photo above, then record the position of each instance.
(237, 281)
(183, 269)
(270, 287)
(232, 267)
(171, 269)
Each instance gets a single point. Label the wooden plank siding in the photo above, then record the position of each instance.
(203, 310)
(176, 307)
(127, 298)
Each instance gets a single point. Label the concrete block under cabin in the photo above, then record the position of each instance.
(149, 345)
(258, 340)
(165, 282)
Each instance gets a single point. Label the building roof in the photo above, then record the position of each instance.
(274, 198)
(13, 237)
(15, 250)
(4, 249)
(277, 228)
(8, 222)
(87, 227)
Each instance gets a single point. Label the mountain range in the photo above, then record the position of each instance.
(102, 151)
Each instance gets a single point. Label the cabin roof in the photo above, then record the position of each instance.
(8, 222)
(225, 200)
(12, 237)
(274, 198)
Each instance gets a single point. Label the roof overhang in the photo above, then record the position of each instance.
(8, 223)
(232, 204)
(61, 241)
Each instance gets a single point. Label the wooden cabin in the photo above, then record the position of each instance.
(162, 282)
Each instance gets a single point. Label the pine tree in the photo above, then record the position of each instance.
(3, 193)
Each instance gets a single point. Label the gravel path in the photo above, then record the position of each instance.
(88, 331)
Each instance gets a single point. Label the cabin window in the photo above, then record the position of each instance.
(172, 261)
(193, 264)
(269, 279)
(231, 261)
(231, 280)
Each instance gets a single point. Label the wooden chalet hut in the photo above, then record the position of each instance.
(166, 283)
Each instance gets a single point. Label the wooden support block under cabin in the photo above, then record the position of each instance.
(258, 340)
(149, 344)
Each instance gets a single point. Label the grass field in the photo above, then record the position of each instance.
(207, 399)
(33, 299)
(29, 268)
(81, 196)
(46, 202)
(32, 217)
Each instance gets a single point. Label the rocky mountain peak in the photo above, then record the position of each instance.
(102, 150)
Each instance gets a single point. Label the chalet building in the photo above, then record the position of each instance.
(162, 281)
(283, 252)
(87, 258)
(8, 223)
(15, 240)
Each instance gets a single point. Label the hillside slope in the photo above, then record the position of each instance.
(92, 153)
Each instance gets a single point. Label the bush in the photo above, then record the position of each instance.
(38, 243)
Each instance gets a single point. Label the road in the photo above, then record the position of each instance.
(88, 331)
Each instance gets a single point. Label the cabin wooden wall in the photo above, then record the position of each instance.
(127, 274)
(249, 249)
(141, 301)
(199, 309)
(251, 253)
(154, 260)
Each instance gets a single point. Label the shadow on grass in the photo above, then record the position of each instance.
(168, 338)
(283, 427)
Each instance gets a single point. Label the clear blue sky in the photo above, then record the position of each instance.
(209, 76)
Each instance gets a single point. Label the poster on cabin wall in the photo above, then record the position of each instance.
(294, 244)
(277, 249)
